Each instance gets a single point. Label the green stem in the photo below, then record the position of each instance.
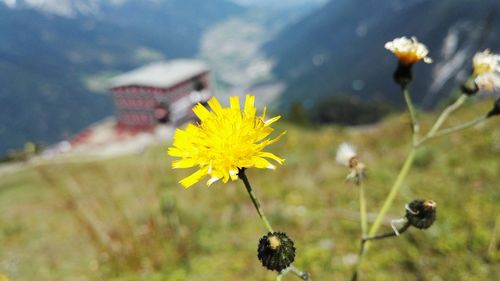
(461, 127)
(301, 274)
(413, 115)
(401, 230)
(444, 115)
(255, 201)
(442, 118)
(362, 210)
(385, 208)
(394, 191)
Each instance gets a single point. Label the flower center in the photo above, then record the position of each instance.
(482, 68)
(274, 242)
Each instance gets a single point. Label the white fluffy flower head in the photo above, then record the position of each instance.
(345, 153)
(408, 51)
(487, 70)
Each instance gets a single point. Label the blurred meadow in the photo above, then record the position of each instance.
(127, 218)
(93, 91)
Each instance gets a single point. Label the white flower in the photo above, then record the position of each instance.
(487, 70)
(345, 153)
(488, 82)
(408, 51)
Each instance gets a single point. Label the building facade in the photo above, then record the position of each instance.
(162, 92)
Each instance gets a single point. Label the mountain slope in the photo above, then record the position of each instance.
(46, 60)
(339, 49)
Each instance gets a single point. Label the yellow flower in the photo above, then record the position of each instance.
(3, 278)
(224, 141)
(487, 70)
(408, 51)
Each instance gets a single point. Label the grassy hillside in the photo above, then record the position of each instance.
(128, 219)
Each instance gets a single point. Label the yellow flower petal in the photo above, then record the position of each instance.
(225, 140)
(249, 106)
(272, 156)
(235, 102)
(193, 178)
(201, 111)
(183, 163)
(272, 120)
(215, 105)
(262, 163)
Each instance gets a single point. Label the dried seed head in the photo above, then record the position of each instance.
(345, 154)
(353, 162)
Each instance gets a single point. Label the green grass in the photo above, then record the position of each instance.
(128, 219)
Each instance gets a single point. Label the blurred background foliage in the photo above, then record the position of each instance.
(128, 218)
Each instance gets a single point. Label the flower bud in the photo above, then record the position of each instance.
(469, 87)
(421, 213)
(403, 75)
(276, 251)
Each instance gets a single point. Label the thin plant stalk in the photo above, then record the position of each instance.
(409, 162)
(241, 174)
(255, 201)
(462, 126)
(444, 115)
(364, 225)
(401, 230)
(442, 118)
(393, 192)
(301, 274)
(413, 115)
(385, 207)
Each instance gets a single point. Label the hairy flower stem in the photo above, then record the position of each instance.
(301, 274)
(386, 206)
(256, 203)
(401, 230)
(444, 115)
(394, 190)
(462, 126)
(364, 224)
(397, 184)
(413, 115)
(433, 132)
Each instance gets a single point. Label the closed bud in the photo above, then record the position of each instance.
(421, 213)
(276, 251)
(469, 87)
(403, 75)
